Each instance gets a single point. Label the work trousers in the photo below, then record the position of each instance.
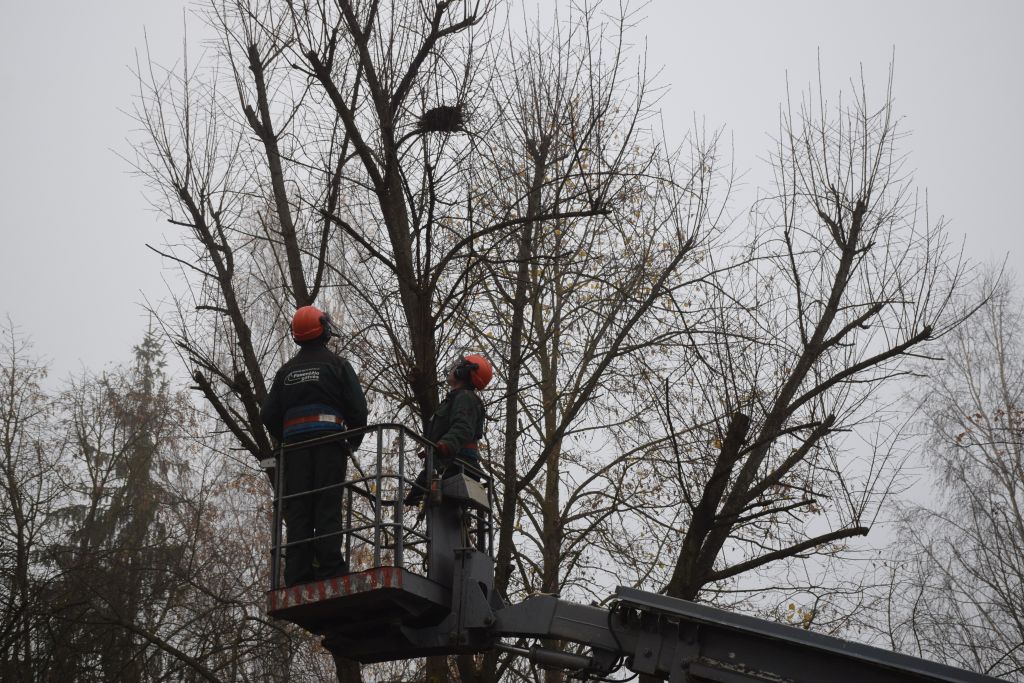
(314, 514)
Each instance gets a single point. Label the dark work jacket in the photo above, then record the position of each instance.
(308, 390)
(458, 423)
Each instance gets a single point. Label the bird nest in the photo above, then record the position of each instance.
(442, 119)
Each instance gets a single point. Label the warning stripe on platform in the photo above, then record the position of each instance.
(336, 587)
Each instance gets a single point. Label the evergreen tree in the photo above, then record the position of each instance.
(125, 428)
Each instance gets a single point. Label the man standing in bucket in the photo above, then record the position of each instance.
(458, 423)
(314, 394)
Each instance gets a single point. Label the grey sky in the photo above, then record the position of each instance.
(74, 223)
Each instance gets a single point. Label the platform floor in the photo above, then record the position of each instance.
(359, 602)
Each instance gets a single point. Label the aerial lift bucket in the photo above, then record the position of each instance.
(403, 561)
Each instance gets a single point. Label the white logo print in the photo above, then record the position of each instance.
(300, 376)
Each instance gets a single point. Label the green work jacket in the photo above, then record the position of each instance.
(457, 425)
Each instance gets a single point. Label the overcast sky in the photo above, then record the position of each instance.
(74, 268)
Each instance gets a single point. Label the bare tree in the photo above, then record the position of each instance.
(577, 297)
(31, 491)
(571, 299)
(842, 281)
(957, 593)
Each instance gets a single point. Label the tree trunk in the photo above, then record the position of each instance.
(348, 671)
(507, 514)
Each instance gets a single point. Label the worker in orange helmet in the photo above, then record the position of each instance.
(316, 393)
(458, 423)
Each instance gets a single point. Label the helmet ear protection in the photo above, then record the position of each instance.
(329, 329)
(464, 368)
(474, 369)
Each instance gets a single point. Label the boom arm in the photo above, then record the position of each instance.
(686, 642)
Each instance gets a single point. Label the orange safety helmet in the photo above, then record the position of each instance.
(476, 369)
(310, 323)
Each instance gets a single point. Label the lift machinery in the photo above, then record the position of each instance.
(422, 583)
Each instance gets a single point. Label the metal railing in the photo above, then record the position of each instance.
(370, 536)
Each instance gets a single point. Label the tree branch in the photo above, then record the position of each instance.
(787, 552)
